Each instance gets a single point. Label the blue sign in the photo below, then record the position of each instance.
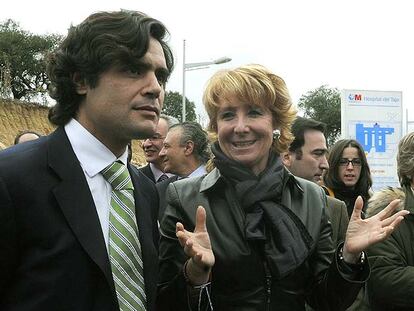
(374, 136)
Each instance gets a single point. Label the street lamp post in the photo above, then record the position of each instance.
(195, 66)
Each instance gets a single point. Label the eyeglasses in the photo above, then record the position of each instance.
(354, 162)
(156, 137)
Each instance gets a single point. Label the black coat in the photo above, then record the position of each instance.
(52, 251)
(238, 276)
(146, 170)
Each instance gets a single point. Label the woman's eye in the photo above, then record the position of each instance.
(255, 112)
(226, 115)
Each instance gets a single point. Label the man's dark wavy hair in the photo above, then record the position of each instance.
(299, 127)
(103, 40)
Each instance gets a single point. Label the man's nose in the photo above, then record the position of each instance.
(324, 163)
(147, 143)
(153, 87)
(162, 152)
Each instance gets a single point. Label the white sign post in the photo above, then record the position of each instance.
(375, 120)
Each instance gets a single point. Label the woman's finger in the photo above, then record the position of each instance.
(200, 220)
(388, 221)
(359, 204)
(179, 227)
(389, 210)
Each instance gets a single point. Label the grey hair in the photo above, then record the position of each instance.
(192, 131)
(169, 119)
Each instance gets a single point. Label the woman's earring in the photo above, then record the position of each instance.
(276, 134)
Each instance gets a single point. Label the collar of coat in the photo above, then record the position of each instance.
(214, 177)
(382, 198)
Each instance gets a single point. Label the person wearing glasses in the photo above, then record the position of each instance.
(154, 170)
(348, 175)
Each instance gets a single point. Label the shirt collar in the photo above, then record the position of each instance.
(200, 171)
(157, 172)
(93, 155)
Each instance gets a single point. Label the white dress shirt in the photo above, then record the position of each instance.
(94, 157)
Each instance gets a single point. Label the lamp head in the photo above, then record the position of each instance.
(222, 60)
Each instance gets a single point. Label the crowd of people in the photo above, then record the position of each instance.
(253, 213)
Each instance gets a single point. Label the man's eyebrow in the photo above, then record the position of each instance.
(147, 66)
(320, 150)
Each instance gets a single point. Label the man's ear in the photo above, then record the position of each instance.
(286, 158)
(189, 148)
(81, 87)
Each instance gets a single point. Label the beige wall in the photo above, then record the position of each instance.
(16, 116)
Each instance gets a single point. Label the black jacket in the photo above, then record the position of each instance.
(238, 276)
(146, 170)
(52, 251)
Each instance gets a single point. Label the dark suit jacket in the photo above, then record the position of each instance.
(338, 215)
(162, 192)
(147, 172)
(52, 251)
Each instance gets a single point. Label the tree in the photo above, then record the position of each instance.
(173, 104)
(324, 104)
(23, 61)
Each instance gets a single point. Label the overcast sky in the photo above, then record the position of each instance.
(365, 45)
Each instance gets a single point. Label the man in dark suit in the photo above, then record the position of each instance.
(185, 153)
(152, 146)
(307, 159)
(57, 205)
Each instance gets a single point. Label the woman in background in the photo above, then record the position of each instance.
(348, 175)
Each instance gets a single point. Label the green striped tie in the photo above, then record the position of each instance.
(124, 246)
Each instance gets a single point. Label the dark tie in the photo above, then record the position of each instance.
(162, 178)
(124, 246)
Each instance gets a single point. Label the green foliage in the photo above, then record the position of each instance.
(324, 104)
(23, 61)
(173, 104)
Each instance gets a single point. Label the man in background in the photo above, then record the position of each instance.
(185, 153)
(307, 159)
(152, 146)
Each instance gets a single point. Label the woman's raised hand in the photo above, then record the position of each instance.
(197, 246)
(362, 233)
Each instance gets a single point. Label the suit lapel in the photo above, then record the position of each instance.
(75, 200)
(148, 172)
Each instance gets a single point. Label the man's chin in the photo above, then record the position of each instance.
(167, 169)
(144, 132)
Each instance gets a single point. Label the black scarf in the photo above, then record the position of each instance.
(281, 236)
(349, 196)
